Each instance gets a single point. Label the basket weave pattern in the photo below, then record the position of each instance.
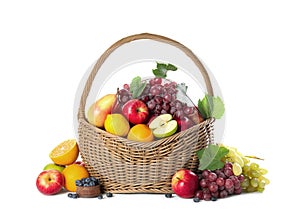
(124, 166)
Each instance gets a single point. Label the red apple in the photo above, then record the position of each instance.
(135, 111)
(185, 183)
(184, 123)
(50, 182)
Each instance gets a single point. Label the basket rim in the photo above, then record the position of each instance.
(152, 144)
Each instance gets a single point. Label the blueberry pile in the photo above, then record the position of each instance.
(87, 182)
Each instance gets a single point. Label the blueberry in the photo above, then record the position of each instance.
(168, 195)
(93, 179)
(77, 182)
(87, 180)
(75, 196)
(70, 195)
(85, 184)
(196, 199)
(109, 194)
(214, 198)
(100, 196)
(92, 183)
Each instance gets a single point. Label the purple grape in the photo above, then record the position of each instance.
(154, 90)
(212, 177)
(151, 104)
(203, 183)
(220, 181)
(228, 172)
(238, 190)
(199, 194)
(213, 187)
(157, 80)
(178, 105)
(206, 196)
(228, 184)
(166, 106)
(223, 194)
(126, 87)
(167, 97)
(205, 173)
(158, 99)
(172, 110)
(227, 165)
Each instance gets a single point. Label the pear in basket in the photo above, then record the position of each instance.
(98, 111)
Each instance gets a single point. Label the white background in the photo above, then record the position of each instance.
(252, 48)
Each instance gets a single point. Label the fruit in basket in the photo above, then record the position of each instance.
(98, 111)
(194, 115)
(72, 173)
(116, 124)
(185, 183)
(184, 123)
(53, 166)
(161, 96)
(140, 133)
(50, 182)
(65, 153)
(163, 126)
(135, 111)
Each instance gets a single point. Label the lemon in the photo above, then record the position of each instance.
(72, 173)
(116, 124)
(65, 153)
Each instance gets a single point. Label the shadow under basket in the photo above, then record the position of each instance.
(124, 166)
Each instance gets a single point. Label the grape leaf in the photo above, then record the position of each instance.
(171, 67)
(218, 107)
(182, 87)
(137, 87)
(162, 69)
(210, 157)
(201, 109)
(211, 106)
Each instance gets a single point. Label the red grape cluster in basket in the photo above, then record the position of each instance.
(160, 97)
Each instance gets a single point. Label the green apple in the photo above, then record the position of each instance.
(163, 126)
(53, 166)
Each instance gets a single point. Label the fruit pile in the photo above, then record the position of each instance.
(218, 176)
(64, 171)
(149, 109)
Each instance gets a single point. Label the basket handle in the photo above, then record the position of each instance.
(105, 55)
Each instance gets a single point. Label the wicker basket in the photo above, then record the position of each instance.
(124, 166)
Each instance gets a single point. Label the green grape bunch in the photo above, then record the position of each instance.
(254, 175)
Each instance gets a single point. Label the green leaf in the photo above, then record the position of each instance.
(162, 69)
(159, 73)
(201, 109)
(211, 106)
(219, 108)
(171, 67)
(137, 86)
(210, 158)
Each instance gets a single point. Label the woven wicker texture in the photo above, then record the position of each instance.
(124, 166)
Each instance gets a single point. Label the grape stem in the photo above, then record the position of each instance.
(255, 157)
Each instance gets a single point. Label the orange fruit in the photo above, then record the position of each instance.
(72, 173)
(140, 133)
(116, 124)
(65, 153)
